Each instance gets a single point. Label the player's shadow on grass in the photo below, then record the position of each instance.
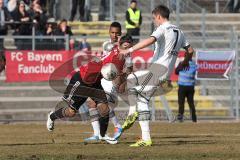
(181, 140)
(171, 137)
(177, 142)
(184, 142)
(181, 136)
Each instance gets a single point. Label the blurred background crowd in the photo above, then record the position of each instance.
(49, 18)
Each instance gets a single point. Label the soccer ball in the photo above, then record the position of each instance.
(109, 71)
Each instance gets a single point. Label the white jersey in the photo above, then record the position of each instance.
(169, 40)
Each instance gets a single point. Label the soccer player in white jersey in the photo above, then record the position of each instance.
(168, 39)
(114, 33)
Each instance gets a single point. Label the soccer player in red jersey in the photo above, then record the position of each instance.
(111, 87)
(87, 83)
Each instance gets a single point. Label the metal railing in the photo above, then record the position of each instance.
(32, 42)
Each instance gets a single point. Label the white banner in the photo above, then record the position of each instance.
(214, 64)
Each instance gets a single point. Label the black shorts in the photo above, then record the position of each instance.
(77, 92)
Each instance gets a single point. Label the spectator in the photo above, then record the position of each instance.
(84, 45)
(49, 44)
(39, 17)
(21, 15)
(104, 11)
(51, 8)
(36, 2)
(50, 28)
(43, 3)
(24, 27)
(233, 6)
(62, 30)
(186, 82)
(47, 5)
(12, 5)
(4, 16)
(27, 2)
(81, 4)
(133, 20)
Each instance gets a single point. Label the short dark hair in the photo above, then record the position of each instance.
(162, 11)
(125, 38)
(62, 21)
(116, 24)
(133, 1)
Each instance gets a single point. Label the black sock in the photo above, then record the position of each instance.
(58, 114)
(103, 121)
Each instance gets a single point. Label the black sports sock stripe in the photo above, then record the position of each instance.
(103, 121)
(58, 114)
(145, 82)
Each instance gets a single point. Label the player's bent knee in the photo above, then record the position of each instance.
(132, 80)
(94, 114)
(90, 103)
(103, 109)
(138, 77)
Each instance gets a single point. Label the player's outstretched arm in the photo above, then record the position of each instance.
(144, 43)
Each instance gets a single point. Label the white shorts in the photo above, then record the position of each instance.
(107, 85)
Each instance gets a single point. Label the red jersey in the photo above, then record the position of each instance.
(91, 72)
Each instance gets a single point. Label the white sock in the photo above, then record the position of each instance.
(115, 122)
(96, 128)
(145, 130)
(132, 109)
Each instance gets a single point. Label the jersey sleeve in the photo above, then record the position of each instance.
(157, 33)
(104, 51)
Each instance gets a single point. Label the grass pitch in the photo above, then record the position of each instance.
(178, 141)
